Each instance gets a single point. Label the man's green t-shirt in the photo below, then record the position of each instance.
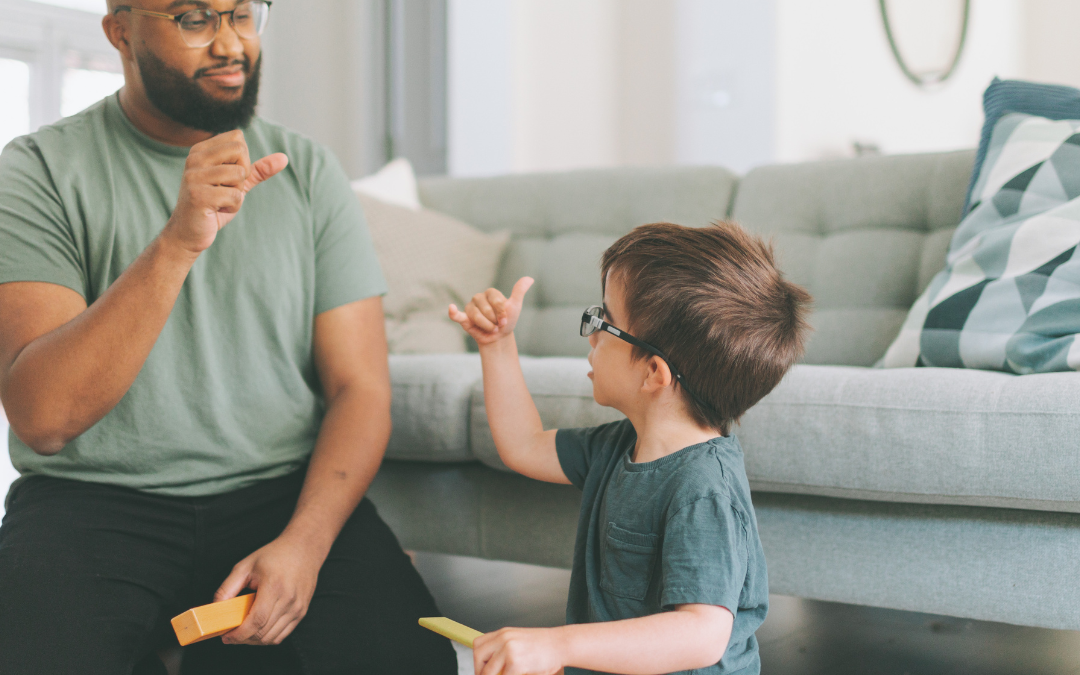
(651, 535)
(229, 394)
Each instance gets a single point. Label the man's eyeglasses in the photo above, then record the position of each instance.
(591, 322)
(199, 27)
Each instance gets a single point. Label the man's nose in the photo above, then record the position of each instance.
(227, 44)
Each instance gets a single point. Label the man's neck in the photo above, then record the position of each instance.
(155, 124)
(666, 429)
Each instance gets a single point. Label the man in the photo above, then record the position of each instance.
(194, 369)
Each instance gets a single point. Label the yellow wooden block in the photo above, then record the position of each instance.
(451, 629)
(218, 618)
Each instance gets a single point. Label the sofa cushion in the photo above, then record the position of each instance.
(430, 407)
(562, 222)
(864, 236)
(926, 435)
(430, 260)
(920, 435)
(1008, 297)
(563, 395)
(1052, 101)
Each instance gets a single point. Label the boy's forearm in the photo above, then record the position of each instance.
(512, 415)
(659, 643)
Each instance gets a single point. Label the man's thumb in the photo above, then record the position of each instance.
(520, 288)
(233, 584)
(266, 167)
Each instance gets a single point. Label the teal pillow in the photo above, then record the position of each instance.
(1052, 101)
(1009, 296)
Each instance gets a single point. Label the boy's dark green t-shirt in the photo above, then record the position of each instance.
(229, 394)
(677, 530)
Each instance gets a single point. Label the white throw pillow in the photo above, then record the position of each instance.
(430, 260)
(395, 183)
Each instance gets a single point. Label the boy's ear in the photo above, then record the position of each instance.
(657, 375)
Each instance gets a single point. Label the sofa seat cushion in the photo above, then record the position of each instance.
(925, 435)
(918, 435)
(563, 395)
(430, 407)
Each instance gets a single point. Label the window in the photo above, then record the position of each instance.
(54, 62)
(93, 6)
(86, 81)
(15, 99)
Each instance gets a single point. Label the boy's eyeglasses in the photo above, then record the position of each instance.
(199, 27)
(591, 322)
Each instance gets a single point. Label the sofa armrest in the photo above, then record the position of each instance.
(430, 407)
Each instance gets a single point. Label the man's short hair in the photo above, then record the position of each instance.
(713, 301)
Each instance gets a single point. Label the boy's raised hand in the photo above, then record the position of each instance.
(490, 315)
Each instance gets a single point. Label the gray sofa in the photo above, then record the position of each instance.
(945, 491)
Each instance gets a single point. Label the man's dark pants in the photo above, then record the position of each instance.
(91, 574)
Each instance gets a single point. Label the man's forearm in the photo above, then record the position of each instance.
(347, 456)
(64, 381)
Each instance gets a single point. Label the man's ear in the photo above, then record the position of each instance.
(657, 375)
(116, 30)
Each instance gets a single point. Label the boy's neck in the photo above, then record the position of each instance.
(661, 432)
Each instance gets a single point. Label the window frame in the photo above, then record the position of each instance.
(42, 35)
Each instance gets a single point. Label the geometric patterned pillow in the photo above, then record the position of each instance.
(1009, 296)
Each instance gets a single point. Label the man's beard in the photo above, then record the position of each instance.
(182, 99)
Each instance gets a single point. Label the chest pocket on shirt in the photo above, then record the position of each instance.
(628, 562)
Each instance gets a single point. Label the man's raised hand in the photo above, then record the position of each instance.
(490, 315)
(217, 176)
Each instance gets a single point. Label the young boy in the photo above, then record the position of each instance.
(697, 326)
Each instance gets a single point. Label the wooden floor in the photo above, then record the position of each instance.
(800, 637)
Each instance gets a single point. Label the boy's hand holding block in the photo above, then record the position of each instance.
(218, 618)
(451, 629)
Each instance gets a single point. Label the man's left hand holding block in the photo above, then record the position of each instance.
(217, 618)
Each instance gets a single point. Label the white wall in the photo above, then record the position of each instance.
(550, 85)
(1051, 50)
(647, 33)
(837, 82)
(724, 70)
(479, 110)
(561, 84)
(320, 77)
(566, 84)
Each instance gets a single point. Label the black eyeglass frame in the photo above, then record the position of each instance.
(178, 18)
(590, 323)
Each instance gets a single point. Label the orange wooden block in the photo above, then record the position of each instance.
(218, 618)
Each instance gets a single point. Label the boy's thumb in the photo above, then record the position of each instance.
(520, 288)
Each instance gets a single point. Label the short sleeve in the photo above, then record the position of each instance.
(36, 240)
(578, 449)
(704, 555)
(346, 266)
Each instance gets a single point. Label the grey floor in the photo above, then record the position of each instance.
(800, 637)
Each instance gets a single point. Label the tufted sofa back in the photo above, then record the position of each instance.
(561, 223)
(865, 236)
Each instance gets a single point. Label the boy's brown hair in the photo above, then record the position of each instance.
(712, 300)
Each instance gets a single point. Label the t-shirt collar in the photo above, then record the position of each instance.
(677, 456)
(116, 111)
